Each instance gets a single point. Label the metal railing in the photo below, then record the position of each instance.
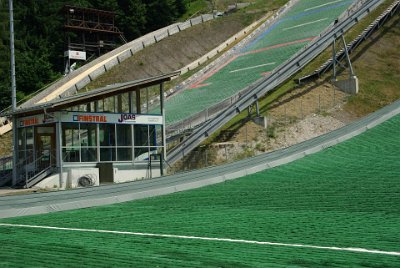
(388, 13)
(29, 170)
(278, 76)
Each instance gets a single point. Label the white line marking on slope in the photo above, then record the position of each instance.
(304, 24)
(359, 250)
(252, 67)
(326, 4)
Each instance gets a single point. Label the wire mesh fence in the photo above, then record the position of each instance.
(294, 118)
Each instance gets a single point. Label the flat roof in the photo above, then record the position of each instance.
(93, 95)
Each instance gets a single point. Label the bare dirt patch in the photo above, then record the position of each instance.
(6, 145)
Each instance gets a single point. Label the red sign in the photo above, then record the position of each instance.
(28, 122)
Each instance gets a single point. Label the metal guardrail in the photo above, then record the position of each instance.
(279, 75)
(388, 13)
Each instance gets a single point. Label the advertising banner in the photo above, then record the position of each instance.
(106, 118)
(75, 55)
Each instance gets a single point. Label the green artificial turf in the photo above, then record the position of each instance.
(305, 20)
(344, 196)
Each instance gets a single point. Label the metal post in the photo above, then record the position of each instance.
(319, 103)
(147, 100)
(13, 93)
(164, 139)
(334, 58)
(59, 157)
(348, 57)
(257, 109)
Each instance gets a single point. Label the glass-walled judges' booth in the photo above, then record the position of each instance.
(109, 135)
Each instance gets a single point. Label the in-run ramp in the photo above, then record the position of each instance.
(40, 203)
(299, 24)
(280, 74)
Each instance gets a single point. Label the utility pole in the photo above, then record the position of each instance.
(13, 92)
(13, 83)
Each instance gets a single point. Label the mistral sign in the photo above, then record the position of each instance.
(106, 118)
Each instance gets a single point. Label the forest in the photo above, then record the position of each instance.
(39, 35)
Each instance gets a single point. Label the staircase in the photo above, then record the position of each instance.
(29, 173)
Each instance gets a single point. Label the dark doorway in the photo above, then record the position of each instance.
(45, 148)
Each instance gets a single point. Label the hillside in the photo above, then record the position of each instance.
(316, 108)
(176, 51)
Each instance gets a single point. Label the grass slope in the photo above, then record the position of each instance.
(345, 196)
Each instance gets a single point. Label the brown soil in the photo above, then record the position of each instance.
(6, 144)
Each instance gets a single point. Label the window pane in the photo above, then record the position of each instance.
(124, 154)
(141, 154)
(153, 136)
(124, 98)
(89, 155)
(71, 154)
(134, 103)
(124, 135)
(29, 138)
(109, 105)
(141, 132)
(107, 154)
(21, 139)
(107, 135)
(88, 135)
(70, 134)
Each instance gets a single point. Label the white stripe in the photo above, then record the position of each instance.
(333, 2)
(307, 23)
(360, 250)
(252, 67)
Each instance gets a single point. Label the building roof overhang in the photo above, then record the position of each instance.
(97, 94)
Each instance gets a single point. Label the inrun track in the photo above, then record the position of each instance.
(295, 29)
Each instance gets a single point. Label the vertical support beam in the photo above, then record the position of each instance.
(59, 157)
(119, 103)
(334, 58)
(257, 109)
(96, 106)
(98, 142)
(164, 138)
(147, 100)
(133, 143)
(348, 57)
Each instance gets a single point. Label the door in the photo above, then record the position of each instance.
(45, 147)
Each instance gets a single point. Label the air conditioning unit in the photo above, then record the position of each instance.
(79, 178)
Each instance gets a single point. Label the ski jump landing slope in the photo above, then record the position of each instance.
(21, 205)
